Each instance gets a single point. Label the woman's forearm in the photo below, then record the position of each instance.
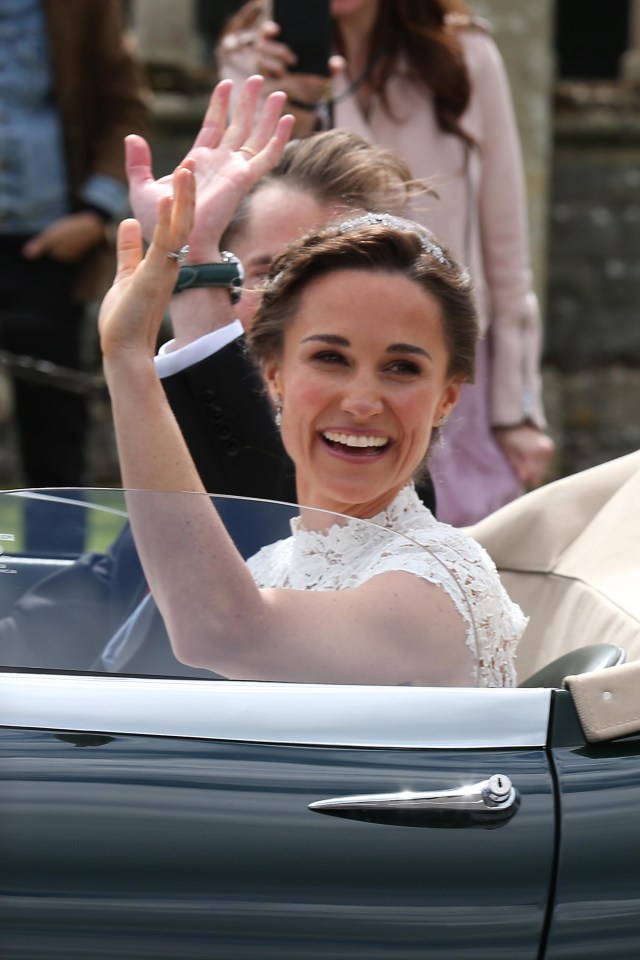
(199, 581)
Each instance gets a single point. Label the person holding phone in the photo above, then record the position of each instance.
(424, 78)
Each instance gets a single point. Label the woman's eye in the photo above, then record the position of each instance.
(329, 356)
(406, 367)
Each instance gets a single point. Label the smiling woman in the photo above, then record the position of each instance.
(364, 394)
(365, 333)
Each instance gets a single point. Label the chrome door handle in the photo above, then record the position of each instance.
(488, 803)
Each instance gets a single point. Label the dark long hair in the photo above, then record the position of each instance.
(424, 33)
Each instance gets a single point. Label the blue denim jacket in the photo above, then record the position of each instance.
(33, 175)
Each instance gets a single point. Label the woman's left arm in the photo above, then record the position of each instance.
(516, 326)
(177, 532)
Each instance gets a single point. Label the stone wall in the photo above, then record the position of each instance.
(592, 357)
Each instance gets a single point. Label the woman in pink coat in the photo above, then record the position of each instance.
(425, 79)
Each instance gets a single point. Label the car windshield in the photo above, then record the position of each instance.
(89, 609)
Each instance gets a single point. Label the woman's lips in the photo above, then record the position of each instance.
(355, 444)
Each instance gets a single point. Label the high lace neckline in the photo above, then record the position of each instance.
(404, 511)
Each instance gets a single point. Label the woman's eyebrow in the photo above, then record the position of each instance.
(408, 348)
(335, 340)
(331, 338)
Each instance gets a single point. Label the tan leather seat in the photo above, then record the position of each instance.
(569, 554)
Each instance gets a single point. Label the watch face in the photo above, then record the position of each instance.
(229, 257)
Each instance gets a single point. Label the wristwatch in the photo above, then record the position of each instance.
(228, 273)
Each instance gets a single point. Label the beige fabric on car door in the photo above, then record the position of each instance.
(569, 554)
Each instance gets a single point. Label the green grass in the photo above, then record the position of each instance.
(103, 525)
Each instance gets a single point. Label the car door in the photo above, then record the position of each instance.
(147, 815)
(161, 818)
(597, 895)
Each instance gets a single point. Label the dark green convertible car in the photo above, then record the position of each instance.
(150, 811)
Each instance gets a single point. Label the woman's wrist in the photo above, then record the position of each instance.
(308, 107)
(310, 117)
(502, 427)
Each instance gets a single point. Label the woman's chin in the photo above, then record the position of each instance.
(354, 497)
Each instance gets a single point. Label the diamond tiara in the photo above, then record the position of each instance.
(388, 220)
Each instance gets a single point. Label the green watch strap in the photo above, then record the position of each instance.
(228, 273)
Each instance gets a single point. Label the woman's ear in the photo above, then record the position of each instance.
(271, 374)
(448, 400)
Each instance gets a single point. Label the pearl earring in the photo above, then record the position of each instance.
(278, 413)
(439, 425)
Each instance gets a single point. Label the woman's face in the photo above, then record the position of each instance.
(362, 379)
(277, 216)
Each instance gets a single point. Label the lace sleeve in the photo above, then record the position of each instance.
(441, 555)
(469, 576)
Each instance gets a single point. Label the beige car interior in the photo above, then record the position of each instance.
(569, 554)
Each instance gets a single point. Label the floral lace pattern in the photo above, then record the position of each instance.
(349, 554)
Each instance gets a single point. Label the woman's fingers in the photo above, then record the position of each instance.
(175, 222)
(137, 160)
(269, 155)
(271, 54)
(215, 118)
(528, 450)
(242, 118)
(267, 121)
(129, 248)
(270, 66)
(183, 207)
(131, 313)
(258, 130)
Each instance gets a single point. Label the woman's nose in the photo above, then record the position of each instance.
(362, 399)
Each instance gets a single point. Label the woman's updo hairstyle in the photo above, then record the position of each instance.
(378, 243)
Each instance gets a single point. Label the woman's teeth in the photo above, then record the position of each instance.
(355, 440)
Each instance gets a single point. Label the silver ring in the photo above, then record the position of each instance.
(180, 255)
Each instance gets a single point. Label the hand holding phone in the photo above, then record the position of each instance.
(305, 27)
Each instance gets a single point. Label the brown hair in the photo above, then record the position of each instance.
(337, 167)
(425, 33)
(397, 247)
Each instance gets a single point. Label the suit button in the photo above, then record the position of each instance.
(232, 447)
(224, 432)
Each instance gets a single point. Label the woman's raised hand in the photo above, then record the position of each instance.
(132, 311)
(228, 159)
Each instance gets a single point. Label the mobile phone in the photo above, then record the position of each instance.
(305, 26)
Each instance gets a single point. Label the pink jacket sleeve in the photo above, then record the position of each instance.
(515, 327)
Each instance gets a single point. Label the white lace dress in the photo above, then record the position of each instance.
(349, 554)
